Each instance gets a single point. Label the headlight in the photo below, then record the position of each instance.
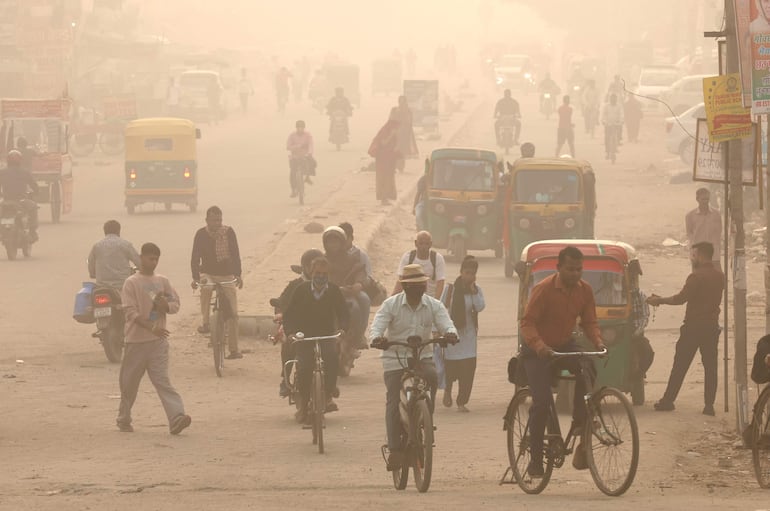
(609, 336)
(499, 80)
(569, 223)
(547, 95)
(576, 87)
(524, 223)
(527, 75)
(439, 208)
(482, 210)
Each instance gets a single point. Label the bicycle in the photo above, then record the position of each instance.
(416, 418)
(220, 315)
(298, 170)
(760, 438)
(609, 421)
(317, 404)
(611, 139)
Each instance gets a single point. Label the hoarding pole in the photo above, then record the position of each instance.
(725, 265)
(767, 223)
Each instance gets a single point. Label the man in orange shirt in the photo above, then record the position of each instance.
(547, 326)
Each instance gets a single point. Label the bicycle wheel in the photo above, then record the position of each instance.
(760, 449)
(318, 405)
(611, 440)
(218, 342)
(422, 446)
(519, 455)
(401, 474)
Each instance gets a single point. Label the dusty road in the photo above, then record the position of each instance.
(244, 451)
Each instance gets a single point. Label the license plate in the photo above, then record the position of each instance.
(102, 312)
(7, 221)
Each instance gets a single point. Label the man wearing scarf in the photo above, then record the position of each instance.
(216, 259)
(465, 300)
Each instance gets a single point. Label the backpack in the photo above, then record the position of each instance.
(760, 373)
(432, 256)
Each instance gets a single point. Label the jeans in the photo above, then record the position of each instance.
(306, 364)
(152, 358)
(393, 398)
(360, 307)
(420, 216)
(229, 293)
(463, 371)
(539, 375)
(692, 338)
(612, 131)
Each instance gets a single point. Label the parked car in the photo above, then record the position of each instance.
(684, 93)
(515, 72)
(653, 80)
(680, 136)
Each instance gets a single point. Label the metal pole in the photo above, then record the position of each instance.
(725, 265)
(767, 224)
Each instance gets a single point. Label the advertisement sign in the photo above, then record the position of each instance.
(727, 118)
(709, 164)
(742, 20)
(121, 106)
(759, 30)
(34, 109)
(422, 97)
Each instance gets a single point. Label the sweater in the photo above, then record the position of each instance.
(316, 317)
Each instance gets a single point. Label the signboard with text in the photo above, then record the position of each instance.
(422, 97)
(759, 30)
(709, 163)
(742, 20)
(727, 118)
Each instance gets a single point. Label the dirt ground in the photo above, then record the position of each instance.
(244, 451)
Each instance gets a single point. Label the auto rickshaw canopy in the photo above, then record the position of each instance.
(161, 138)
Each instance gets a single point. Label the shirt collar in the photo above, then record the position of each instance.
(560, 285)
(405, 302)
(316, 290)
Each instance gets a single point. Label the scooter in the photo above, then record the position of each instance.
(507, 125)
(547, 104)
(338, 128)
(14, 229)
(110, 322)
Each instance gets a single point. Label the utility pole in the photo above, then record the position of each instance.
(735, 176)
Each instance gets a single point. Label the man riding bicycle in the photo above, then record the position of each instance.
(612, 119)
(300, 147)
(410, 312)
(316, 308)
(547, 325)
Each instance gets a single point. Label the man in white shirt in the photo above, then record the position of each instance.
(704, 223)
(431, 261)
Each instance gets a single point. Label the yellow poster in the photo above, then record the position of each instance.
(726, 116)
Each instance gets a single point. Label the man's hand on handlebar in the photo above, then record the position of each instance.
(379, 343)
(239, 282)
(194, 285)
(449, 338)
(546, 353)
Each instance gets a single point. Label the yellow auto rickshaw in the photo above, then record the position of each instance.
(546, 198)
(161, 163)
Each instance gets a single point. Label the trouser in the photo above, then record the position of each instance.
(516, 130)
(632, 127)
(540, 375)
(361, 306)
(420, 216)
(610, 131)
(287, 353)
(151, 357)
(463, 372)
(306, 365)
(565, 135)
(692, 338)
(393, 398)
(229, 293)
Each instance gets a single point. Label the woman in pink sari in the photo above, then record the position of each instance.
(384, 151)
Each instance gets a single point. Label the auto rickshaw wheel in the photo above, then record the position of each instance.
(499, 251)
(55, 202)
(26, 250)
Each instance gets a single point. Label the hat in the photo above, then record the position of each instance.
(413, 273)
(334, 230)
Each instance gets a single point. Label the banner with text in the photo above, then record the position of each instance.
(727, 118)
(759, 29)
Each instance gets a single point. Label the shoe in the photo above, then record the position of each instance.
(204, 329)
(709, 410)
(179, 423)
(33, 237)
(307, 423)
(664, 406)
(125, 428)
(462, 409)
(447, 401)
(535, 469)
(395, 460)
(301, 415)
(331, 406)
(283, 390)
(336, 392)
(308, 180)
(579, 461)
(234, 355)
(293, 194)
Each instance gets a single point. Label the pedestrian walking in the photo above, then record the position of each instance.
(566, 130)
(216, 259)
(704, 223)
(407, 144)
(464, 301)
(147, 298)
(433, 264)
(702, 293)
(633, 115)
(385, 153)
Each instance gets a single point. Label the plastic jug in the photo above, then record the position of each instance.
(84, 312)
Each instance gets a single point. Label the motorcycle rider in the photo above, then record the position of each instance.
(15, 183)
(612, 119)
(507, 107)
(349, 273)
(111, 257)
(287, 348)
(316, 308)
(339, 103)
(300, 147)
(547, 85)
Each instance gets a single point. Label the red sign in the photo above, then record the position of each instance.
(34, 109)
(120, 107)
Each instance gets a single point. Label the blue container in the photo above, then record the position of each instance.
(84, 312)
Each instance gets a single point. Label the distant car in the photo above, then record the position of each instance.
(684, 93)
(680, 135)
(514, 72)
(197, 90)
(653, 80)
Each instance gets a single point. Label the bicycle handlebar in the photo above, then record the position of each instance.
(300, 337)
(417, 342)
(560, 354)
(214, 284)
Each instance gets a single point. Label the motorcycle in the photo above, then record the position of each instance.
(338, 128)
(14, 229)
(547, 104)
(110, 322)
(505, 136)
